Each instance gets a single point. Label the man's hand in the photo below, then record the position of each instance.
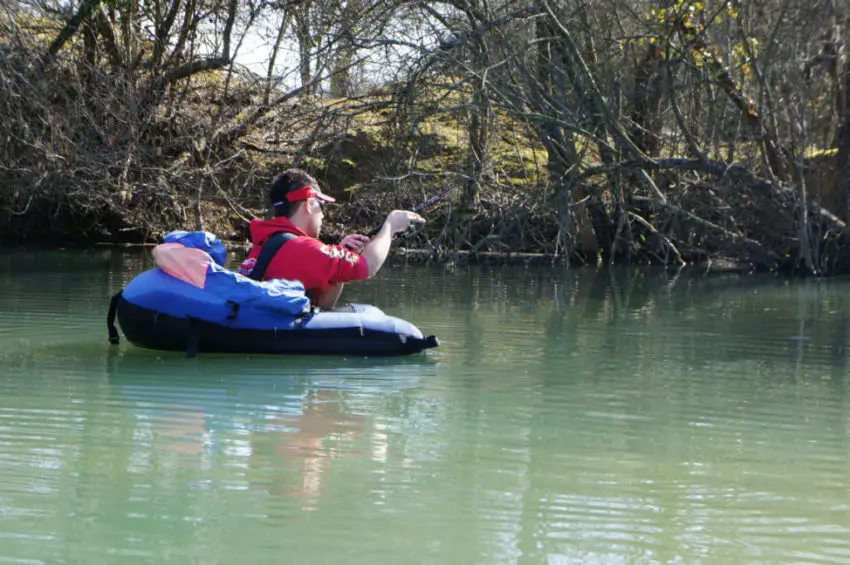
(354, 242)
(376, 251)
(400, 220)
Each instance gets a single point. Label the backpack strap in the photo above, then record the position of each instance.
(267, 253)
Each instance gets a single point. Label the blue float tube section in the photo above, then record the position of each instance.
(234, 314)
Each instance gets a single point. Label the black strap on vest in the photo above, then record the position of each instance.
(267, 253)
(110, 319)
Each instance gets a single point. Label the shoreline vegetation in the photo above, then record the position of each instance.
(402, 254)
(669, 133)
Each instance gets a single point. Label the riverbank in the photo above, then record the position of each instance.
(401, 253)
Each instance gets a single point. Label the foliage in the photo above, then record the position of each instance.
(671, 131)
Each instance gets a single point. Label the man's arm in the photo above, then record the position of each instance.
(376, 251)
(326, 297)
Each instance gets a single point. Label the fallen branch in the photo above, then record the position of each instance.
(733, 171)
(659, 235)
(738, 238)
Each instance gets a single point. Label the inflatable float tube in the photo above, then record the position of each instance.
(158, 311)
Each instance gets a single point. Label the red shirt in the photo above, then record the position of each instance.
(304, 258)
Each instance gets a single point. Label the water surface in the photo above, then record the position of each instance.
(569, 416)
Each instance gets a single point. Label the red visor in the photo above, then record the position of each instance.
(305, 193)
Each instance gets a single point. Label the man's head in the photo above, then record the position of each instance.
(296, 195)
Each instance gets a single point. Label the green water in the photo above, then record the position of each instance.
(569, 416)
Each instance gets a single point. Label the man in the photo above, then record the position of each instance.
(298, 205)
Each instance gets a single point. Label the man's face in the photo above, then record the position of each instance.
(316, 209)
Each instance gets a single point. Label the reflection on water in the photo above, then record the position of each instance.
(569, 416)
(286, 426)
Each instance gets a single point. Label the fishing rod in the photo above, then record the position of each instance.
(423, 205)
(434, 199)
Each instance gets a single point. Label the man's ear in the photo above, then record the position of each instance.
(297, 207)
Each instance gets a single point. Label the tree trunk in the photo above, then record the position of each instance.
(107, 31)
(163, 25)
(87, 8)
(343, 57)
(228, 29)
(479, 127)
(574, 69)
(563, 158)
(646, 101)
(281, 32)
(341, 77)
(90, 50)
(305, 47)
(843, 158)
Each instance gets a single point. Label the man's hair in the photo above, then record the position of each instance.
(286, 182)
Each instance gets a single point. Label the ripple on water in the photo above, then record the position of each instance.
(557, 422)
